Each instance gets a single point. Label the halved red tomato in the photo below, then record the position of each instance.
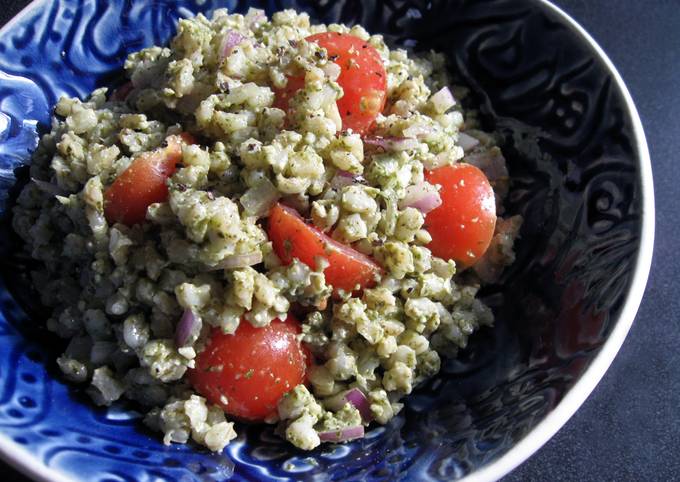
(248, 372)
(362, 78)
(144, 182)
(462, 227)
(293, 238)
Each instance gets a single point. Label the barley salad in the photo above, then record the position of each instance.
(271, 221)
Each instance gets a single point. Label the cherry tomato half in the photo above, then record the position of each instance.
(362, 78)
(462, 227)
(293, 238)
(248, 372)
(143, 183)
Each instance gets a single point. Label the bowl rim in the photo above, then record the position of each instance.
(24, 461)
(589, 379)
(10, 453)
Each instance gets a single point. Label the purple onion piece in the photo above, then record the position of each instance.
(188, 325)
(423, 196)
(342, 435)
(122, 92)
(231, 40)
(427, 203)
(392, 143)
(357, 398)
(377, 141)
(343, 179)
(254, 16)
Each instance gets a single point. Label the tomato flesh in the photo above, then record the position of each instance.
(362, 78)
(462, 227)
(293, 238)
(247, 373)
(143, 183)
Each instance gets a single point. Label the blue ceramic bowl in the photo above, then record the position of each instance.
(581, 178)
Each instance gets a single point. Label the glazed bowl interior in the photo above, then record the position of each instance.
(579, 177)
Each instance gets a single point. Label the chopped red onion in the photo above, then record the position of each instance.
(422, 196)
(188, 326)
(122, 92)
(392, 143)
(357, 398)
(467, 142)
(442, 100)
(254, 16)
(342, 435)
(238, 261)
(48, 187)
(231, 39)
(353, 396)
(427, 203)
(343, 179)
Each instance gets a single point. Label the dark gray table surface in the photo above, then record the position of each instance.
(629, 428)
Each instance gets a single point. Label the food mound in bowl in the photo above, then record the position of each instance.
(271, 221)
